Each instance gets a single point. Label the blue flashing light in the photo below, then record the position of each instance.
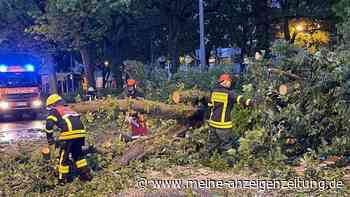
(29, 67)
(3, 68)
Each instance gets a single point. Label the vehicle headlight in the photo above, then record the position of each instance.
(37, 103)
(4, 105)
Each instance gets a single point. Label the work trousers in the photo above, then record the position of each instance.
(73, 147)
(219, 140)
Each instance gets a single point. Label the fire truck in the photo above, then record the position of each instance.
(20, 92)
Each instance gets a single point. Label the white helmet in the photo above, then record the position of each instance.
(91, 89)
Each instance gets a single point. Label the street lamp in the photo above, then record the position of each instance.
(201, 29)
(106, 63)
(300, 28)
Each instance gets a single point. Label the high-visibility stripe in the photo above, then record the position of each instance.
(53, 118)
(221, 125)
(81, 163)
(221, 97)
(239, 99)
(247, 102)
(60, 175)
(61, 157)
(49, 130)
(73, 132)
(63, 170)
(70, 137)
(69, 124)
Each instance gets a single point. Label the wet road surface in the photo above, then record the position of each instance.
(12, 131)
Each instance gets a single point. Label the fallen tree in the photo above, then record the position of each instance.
(186, 116)
(155, 109)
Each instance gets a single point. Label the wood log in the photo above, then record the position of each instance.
(189, 96)
(155, 109)
(288, 88)
(138, 149)
(287, 74)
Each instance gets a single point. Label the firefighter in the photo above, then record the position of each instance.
(71, 138)
(137, 122)
(222, 100)
(131, 90)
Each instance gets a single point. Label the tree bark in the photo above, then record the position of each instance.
(116, 47)
(49, 63)
(85, 53)
(189, 96)
(208, 49)
(117, 61)
(142, 147)
(155, 109)
(173, 49)
(285, 11)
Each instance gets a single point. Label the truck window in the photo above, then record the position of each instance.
(25, 79)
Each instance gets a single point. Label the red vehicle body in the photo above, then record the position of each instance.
(19, 87)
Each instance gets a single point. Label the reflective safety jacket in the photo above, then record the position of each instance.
(221, 103)
(67, 120)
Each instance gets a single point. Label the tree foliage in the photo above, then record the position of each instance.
(15, 17)
(80, 25)
(315, 116)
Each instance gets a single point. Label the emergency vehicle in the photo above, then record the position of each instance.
(19, 86)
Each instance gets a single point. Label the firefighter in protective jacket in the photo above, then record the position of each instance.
(131, 90)
(71, 138)
(221, 102)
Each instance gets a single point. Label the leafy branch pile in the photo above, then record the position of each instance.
(312, 118)
(158, 86)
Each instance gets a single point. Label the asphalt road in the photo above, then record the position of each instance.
(12, 131)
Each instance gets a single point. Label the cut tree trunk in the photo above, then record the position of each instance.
(189, 96)
(288, 88)
(155, 109)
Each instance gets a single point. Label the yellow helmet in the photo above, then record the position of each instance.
(52, 99)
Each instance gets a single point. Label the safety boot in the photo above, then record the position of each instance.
(85, 176)
(66, 178)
